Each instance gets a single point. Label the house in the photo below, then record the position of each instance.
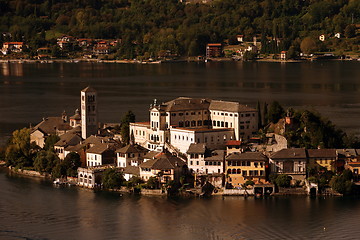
(322, 37)
(290, 161)
(176, 124)
(322, 158)
(131, 171)
(241, 167)
(163, 166)
(9, 47)
(100, 154)
(214, 50)
(240, 38)
(345, 156)
(130, 155)
(204, 161)
(233, 146)
(47, 127)
(101, 47)
(283, 55)
(65, 42)
(90, 177)
(337, 35)
(71, 138)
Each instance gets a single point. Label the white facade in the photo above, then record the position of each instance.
(89, 121)
(183, 121)
(93, 159)
(181, 138)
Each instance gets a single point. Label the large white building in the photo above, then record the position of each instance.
(182, 121)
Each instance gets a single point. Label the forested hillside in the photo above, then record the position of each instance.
(150, 26)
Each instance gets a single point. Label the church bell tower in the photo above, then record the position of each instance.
(89, 120)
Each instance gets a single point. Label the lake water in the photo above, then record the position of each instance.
(35, 210)
(32, 209)
(29, 92)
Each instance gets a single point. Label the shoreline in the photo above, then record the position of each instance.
(82, 60)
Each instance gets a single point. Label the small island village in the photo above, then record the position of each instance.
(189, 146)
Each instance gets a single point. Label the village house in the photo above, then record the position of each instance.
(233, 146)
(241, 167)
(290, 161)
(202, 160)
(9, 47)
(100, 154)
(214, 50)
(101, 47)
(71, 138)
(176, 124)
(49, 126)
(345, 156)
(283, 55)
(90, 177)
(322, 158)
(65, 42)
(163, 166)
(130, 155)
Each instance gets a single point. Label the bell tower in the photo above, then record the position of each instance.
(89, 120)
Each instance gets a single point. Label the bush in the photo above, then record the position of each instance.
(283, 180)
(343, 184)
(112, 178)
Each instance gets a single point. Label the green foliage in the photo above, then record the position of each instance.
(249, 182)
(153, 183)
(45, 161)
(157, 26)
(50, 141)
(19, 152)
(128, 118)
(67, 167)
(343, 183)
(276, 112)
(308, 45)
(112, 179)
(71, 163)
(134, 181)
(283, 180)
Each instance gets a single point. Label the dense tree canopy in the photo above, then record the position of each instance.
(150, 27)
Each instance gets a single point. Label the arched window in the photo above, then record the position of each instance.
(238, 171)
(229, 171)
(233, 171)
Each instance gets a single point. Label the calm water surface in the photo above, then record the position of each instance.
(31, 209)
(29, 92)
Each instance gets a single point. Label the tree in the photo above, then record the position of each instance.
(50, 141)
(45, 161)
(343, 183)
(153, 183)
(276, 112)
(350, 31)
(283, 180)
(259, 115)
(308, 45)
(128, 118)
(71, 164)
(112, 179)
(265, 114)
(20, 152)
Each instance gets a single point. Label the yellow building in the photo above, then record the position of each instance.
(322, 158)
(241, 167)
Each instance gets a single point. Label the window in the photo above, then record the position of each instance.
(226, 124)
(222, 124)
(244, 173)
(199, 122)
(191, 162)
(197, 162)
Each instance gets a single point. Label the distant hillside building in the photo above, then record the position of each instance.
(214, 50)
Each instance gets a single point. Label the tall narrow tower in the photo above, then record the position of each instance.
(89, 121)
